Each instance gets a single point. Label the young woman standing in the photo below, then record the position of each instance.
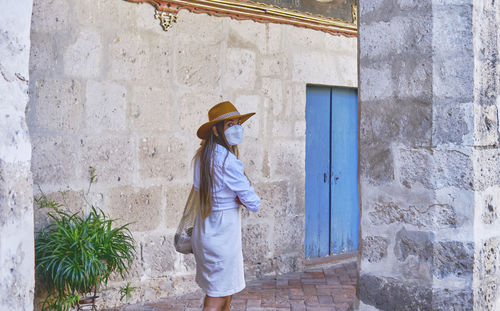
(222, 185)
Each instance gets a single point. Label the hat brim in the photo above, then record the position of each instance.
(204, 130)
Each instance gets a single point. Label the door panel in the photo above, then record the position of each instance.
(317, 199)
(344, 173)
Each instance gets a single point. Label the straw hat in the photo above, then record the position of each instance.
(220, 112)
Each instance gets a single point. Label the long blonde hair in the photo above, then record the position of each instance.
(205, 154)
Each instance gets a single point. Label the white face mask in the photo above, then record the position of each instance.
(234, 134)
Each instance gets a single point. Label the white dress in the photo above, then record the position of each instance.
(217, 239)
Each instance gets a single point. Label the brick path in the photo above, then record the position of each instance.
(315, 289)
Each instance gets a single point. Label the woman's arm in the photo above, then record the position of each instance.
(235, 179)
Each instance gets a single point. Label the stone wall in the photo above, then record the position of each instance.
(16, 195)
(111, 89)
(429, 155)
(486, 155)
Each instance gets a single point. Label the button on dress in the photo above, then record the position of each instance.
(217, 239)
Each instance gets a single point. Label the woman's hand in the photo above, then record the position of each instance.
(238, 201)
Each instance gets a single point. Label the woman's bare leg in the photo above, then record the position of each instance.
(214, 303)
(227, 303)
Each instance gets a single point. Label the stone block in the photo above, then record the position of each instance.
(406, 121)
(341, 45)
(309, 67)
(486, 294)
(54, 160)
(486, 131)
(131, 56)
(428, 216)
(158, 255)
(374, 248)
(489, 205)
(106, 14)
(452, 29)
(15, 183)
(195, 69)
(113, 157)
(486, 261)
(164, 157)
(414, 243)
(199, 27)
(247, 34)
(83, 57)
(194, 111)
(58, 104)
(14, 134)
(451, 124)
(300, 129)
(376, 82)
(270, 66)
(387, 293)
(150, 109)
(452, 299)
(453, 169)
(273, 92)
(305, 38)
(487, 168)
(415, 166)
(376, 163)
(250, 153)
(43, 55)
(50, 16)
(176, 197)
(453, 79)
(288, 158)
(72, 201)
(106, 106)
(289, 234)
(453, 258)
(255, 239)
(369, 6)
(414, 79)
(275, 38)
(277, 199)
(399, 36)
(240, 69)
(141, 207)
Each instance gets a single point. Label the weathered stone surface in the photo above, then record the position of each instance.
(255, 248)
(454, 169)
(450, 124)
(376, 163)
(435, 215)
(164, 157)
(391, 294)
(486, 132)
(50, 15)
(414, 243)
(43, 59)
(416, 167)
(58, 104)
(289, 234)
(250, 103)
(453, 258)
(159, 255)
(150, 109)
(240, 69)
(374, 248)
(141, 207)
(176, 197)
(486, 168)
(287, 158)
(105, 106)
(273, 92)
(489, 214)
(72, 201)
(83, 58)
(54, 160)
(194, 69)
(111, 156)
(486, 261)
(449, 299)
(486, 294)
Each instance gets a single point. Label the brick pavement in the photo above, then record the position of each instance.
(316, 289)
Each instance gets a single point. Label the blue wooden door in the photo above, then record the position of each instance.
(332, 213)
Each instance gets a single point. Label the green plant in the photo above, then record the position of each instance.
(126, 291)
(77, 253)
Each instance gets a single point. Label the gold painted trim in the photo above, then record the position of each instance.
(247, 9)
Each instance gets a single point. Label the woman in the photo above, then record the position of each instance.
(222, 186)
